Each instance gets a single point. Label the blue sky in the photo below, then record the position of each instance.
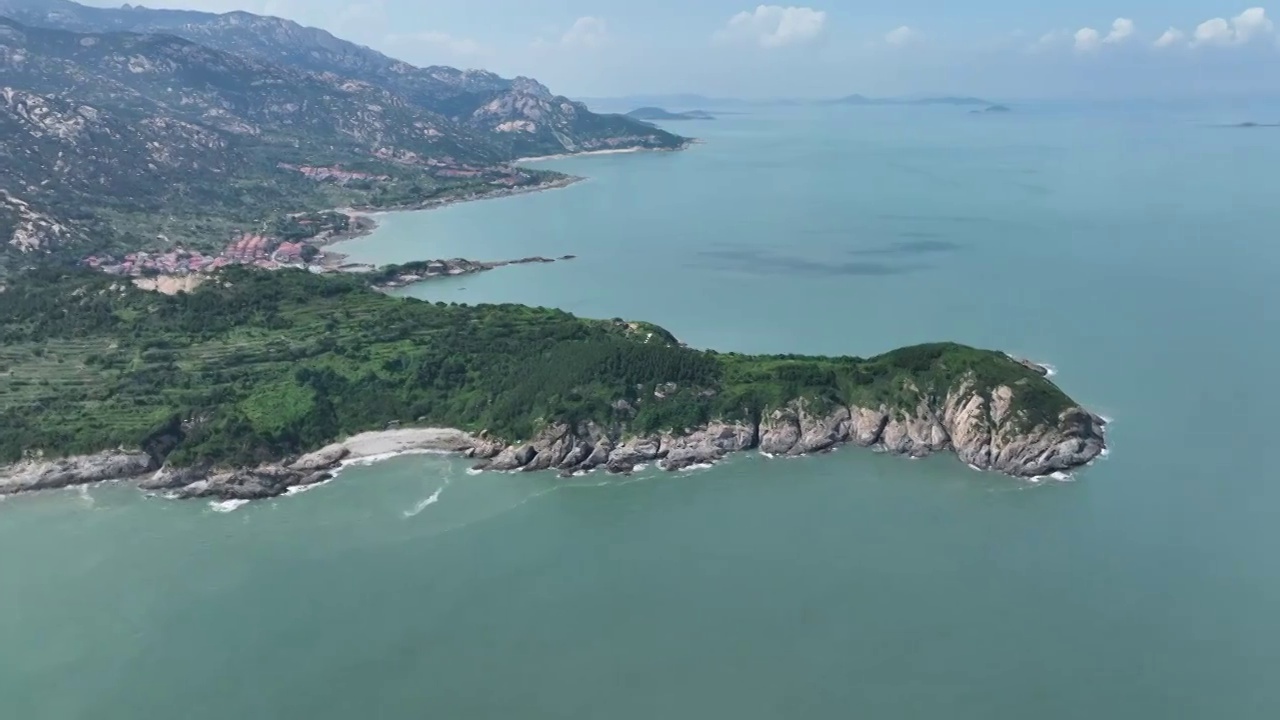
(1000, 48)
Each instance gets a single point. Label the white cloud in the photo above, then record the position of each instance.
(1050, 40)
(1241, 29)
(586, 31)
(1121, 30)
(1214, 32)
(1087, 39)
(1250, 23)
(1171, 37)
(901, 36)
(773, 26)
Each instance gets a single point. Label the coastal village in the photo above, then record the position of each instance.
(258, 250)
(296, 242)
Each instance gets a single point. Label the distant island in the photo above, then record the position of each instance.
(944, 100)
(657, 113)
(992, 109)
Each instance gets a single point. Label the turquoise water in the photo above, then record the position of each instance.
(1131, 248)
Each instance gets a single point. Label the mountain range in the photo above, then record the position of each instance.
(128, 126)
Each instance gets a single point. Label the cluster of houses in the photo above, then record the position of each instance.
(247, 249)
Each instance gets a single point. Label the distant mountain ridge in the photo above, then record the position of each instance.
(203, 125)
(520, 116)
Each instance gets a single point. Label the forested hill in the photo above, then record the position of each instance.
(516, 117)
(117, 140)
(256, 366)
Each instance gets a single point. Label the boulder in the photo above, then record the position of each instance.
(39, 474)
(322, 459)
(820, 433)
(780, 432)
(512, 457)
(682, 458)
(168, 478)
(867, 426)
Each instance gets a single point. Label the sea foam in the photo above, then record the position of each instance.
(299, 489)
(227, 506)
(425, 503)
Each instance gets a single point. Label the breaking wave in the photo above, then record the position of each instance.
(427, 502)
(299, 489)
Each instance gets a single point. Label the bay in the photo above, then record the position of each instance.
(1132, 247)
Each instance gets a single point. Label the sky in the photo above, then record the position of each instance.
(1011, 49)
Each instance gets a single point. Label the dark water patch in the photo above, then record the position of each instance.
(927, 173)
(1247, 125)
(921, 244)
(765, 263)
(934, 218)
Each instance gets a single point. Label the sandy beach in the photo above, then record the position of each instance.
(564, 156)
(404, 440)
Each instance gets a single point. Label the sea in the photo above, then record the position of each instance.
(1131, 247)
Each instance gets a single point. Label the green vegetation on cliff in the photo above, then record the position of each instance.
(255, 366)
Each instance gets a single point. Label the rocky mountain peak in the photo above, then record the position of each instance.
(479, 101)
(529, 86)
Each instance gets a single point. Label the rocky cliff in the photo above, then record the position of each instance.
(986, 432)
(39, 474)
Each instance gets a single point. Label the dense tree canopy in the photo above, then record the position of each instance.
(257, 365)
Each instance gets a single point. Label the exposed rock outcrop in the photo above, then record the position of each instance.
(321, 459)
(987, 430)
(38, 474)
(398, 276)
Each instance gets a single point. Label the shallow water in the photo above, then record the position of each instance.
(1130, 248)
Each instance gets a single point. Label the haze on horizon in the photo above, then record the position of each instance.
(1101, 49)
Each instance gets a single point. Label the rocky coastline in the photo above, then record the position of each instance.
(400, 276)
(985, 432)
(364, 220)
